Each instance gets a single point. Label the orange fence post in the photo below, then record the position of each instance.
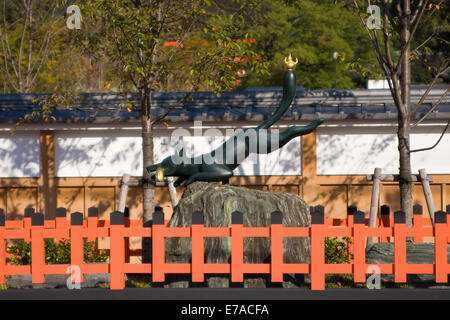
(198, 247)
(117, 251)
(92, 223)
(440, 246)
(351, 210)
(29, 212)
(276, 244)
(448, 223)
(76, 243)
(317, 248)
(418, 221)
(158, 247)
(399, 246)
(60, 220)
(2, 247)
(385, 213)
(237, 247)
(359, 239)
(37, 248)
(126, 214)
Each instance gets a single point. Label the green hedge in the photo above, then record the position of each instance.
(55, 253)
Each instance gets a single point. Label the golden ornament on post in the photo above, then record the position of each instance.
(289, 63)
(159, 175)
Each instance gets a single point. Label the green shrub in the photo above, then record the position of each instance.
(55, 253)
(337, 251)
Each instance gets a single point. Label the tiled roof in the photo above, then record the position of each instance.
(246, 105)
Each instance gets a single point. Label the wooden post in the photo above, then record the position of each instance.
(158, 247)
(276, 244)
(123, 192)
(399, 246)
(2, 247)
(440, 247)
(117, 251)
(237, 247)
(37, 248)
(198, 247)
(359, 251)
(173, 192)
(76, 243)
(317, 248)
(374, 203)
(428, 195)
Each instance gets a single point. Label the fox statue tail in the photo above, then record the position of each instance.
(289, 87)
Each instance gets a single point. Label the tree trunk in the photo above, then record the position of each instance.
(404, 116)
(148, 189)
(405, 182)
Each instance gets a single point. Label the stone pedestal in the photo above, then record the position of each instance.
(217, 202)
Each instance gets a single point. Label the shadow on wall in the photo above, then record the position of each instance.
(19, 158)
(94, 155)
(19, 155)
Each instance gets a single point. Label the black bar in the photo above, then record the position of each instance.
(237, 217)
(76, 219)
(198, 218)
(117, 218)
(276, 217)
(359, 218)
(385, 210)
(318, 215)
(400, 217)
(158, 217)
(93, 212)
(37, 219)
(61, 212)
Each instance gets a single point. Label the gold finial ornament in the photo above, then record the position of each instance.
(159, 175)
(289, 63)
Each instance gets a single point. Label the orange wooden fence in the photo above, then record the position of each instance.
(119, 229)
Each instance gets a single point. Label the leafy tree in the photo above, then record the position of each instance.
(208, 48)
(312, 31)
(27, 30)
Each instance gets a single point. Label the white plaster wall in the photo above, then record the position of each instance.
(98, 153)
(344, 151)
(111, 154)
(435, 161)
(19, 155)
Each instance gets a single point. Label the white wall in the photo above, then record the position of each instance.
(342, 151)
(19, 155)
(435, 161)
(112, 153)
(98, 153)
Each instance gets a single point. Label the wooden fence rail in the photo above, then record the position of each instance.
(119, 229)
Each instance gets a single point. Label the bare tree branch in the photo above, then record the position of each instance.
(176, 105)
(431, 109)
(437, 142)
(442, 70)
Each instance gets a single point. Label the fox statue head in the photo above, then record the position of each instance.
(169, 165)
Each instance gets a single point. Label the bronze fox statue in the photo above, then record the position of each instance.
(218, 165)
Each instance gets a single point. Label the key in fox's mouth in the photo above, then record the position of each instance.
(159, 175)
